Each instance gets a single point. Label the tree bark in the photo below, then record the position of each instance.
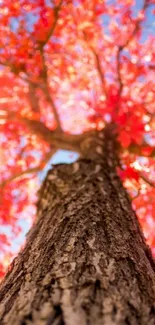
(85, 260)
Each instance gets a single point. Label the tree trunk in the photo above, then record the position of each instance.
(85, 260)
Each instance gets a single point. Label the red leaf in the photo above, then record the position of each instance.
(146, 151)
(129, 172)
(124, 139)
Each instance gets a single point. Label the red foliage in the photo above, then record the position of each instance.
(129, 172)
(91, 62)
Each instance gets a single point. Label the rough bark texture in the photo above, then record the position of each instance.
(85, 260)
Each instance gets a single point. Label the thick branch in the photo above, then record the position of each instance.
(56, 138)
(54, 109)
(60, 140)
(47, 93)
(63, 140)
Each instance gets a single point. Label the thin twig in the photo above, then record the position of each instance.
(29, 170)
(146, 180)
(138, 150)
(98, 66)
(100, 72)
(120, 50)
(52, 29)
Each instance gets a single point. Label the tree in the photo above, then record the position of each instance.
(85, 260)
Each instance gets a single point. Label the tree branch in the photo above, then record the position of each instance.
(32, 96)
(56, 138)
(98, 66)
(138, 150)
(54, 109)
(120, 50)
(100, 72)
(34, 100)
(29, 170)
(146, 180)
(44, 75)
(119, 77)
(52, 29)
(47, 93)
